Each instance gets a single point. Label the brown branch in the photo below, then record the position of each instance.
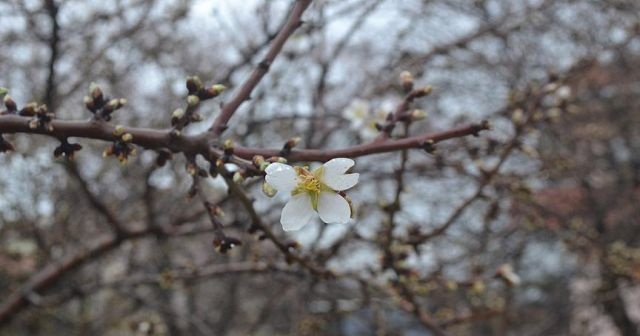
(244, 92)
(147, 138)
(375, 147)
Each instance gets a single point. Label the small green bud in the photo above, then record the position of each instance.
(10, 103)
(177, 113)
(3, 91)
(193, 101)
(406, 80)
(95, 91)
(118, 131)
(424, 91)
(194, 84)
(217, 89)
(238, 178)
(418, 114)
(268, 190)
(127, 137)
(518, 117)
(227, 144)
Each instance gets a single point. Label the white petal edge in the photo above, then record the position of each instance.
(296, 213)
(337, 166)
(342, 182)
(282, 177)
(333, 208)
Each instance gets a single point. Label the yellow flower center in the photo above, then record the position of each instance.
(309, 182)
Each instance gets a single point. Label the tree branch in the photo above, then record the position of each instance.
(244, 92)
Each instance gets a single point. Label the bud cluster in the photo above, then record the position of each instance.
(41, 117)
(122, 148)
(67, 149)
(99, 105)
(197, 93)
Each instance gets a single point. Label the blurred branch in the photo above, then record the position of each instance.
(244, 92)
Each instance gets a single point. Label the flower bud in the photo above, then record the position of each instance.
(88, 103)
(10, 103)
(194, 84)
(217, 89)
(193, 101)
(227, 144)
(418, 114)
(127, 137)
(293, 142)
(268, 190)
(118, 130)
(518, 117)
(95, 91)
(3, 91)
(406, 80)
(238, 178)
(258, 160)
(424, 91)
(29, 110)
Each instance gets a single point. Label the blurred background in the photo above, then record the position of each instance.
(530, 228)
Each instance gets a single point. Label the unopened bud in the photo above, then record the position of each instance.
(217, 89)
(95, 91)
(238, 178)
(193, 101)
(227, 144)
(518, 117)
(88, 102)
(424, 91)
(3, 91)
(292, 142)
(118, 130)
(127, 137)
(194, 84)
(176, 116)
(268, 190)
(418, 114)
(258, 160)
(10, 103)
(29, 110)
(406, 80)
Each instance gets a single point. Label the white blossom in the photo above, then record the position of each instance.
(313, 192)
(363, 118)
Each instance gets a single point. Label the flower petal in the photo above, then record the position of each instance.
(337, 166)
(281, 176)
(334, 174)
(296, 213)
(333, 208)
(342, 182)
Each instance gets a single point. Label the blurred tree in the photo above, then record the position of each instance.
(518, 230)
